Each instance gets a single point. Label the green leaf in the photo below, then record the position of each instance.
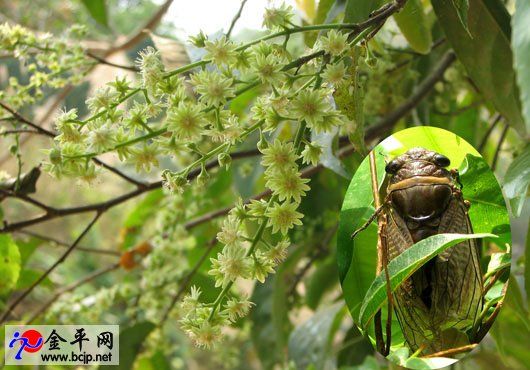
(521, 52)
(413, 23)
(359, 10)
(498, 261)
(262, 332)
(9, 263)
(29, 276)
(369, 363)
(527, 266)
(209, 292)
(462, 7)
(155, 362)
(511, 330)
(485, 52)
(404, 265)
(516, 181)
(131, 340)
(322, 11)
(140, 214)
(310, 343)
(144, 209)
(488, 212)
(97, 10)
(401, 357)
(324, 278)
(354, 349)
(27, 248)
(240, 103)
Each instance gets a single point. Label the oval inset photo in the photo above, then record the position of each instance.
(424, 248)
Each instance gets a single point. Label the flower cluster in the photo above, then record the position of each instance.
(191, 118)
(51, 62)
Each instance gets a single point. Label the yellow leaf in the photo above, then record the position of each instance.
(308, 7)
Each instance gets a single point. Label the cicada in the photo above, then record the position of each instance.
(442, 300)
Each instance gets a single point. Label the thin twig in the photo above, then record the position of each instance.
(235, 19)
(485, 326)
(140, 33)
(452, 351)
(61, 259)
(119, 173)
(20, 131)
(68, 288)
(496, 119)
(320, 251)
(25, 198)
(499, 146)
(106, 62)
(494, 279)
(22, 119)
(185, 282)
(64, 244)
(421, 90)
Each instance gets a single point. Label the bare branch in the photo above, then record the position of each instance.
(26, 292)
(61, 243)
(22, 119)
(236, 18)
(106, 62)
(140, 33)
(69, 288)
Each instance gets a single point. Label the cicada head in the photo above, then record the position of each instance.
(420, 188)
(418, 162)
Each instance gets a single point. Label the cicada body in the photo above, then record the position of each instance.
(443, 299)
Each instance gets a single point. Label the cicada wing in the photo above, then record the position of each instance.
(457, 278)
(412, 314)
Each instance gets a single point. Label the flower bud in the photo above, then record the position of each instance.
(203, 177)
(224, 160)
(199, 40)
(55, 156)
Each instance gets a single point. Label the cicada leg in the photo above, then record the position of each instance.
(483, 325)
(382, 346)
(368, 222)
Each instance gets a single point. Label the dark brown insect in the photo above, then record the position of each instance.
(441, 301)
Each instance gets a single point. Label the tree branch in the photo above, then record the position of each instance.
(372, 132)
(61, 243)
(69, 288)
(236, 18)
(24, 294)
(140, 33)
(106, 62)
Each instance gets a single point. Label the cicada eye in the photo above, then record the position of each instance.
(392, 167)
(441, 160)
